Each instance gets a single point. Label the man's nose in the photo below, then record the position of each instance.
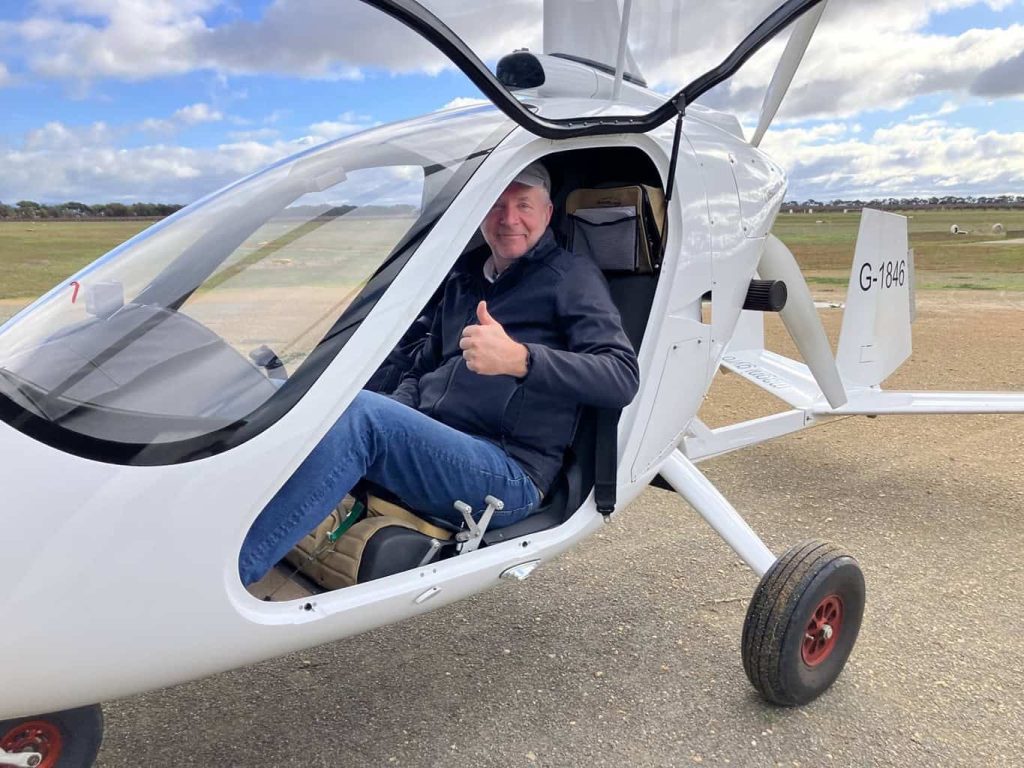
(507, 214)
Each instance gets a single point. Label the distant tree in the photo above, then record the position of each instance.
(114, 209)
(143, 209)
(77, 209)
(29, 209)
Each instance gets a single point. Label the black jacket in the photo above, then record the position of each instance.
(558, 305)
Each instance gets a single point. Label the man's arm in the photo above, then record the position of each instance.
(427, 359)
(600, 367)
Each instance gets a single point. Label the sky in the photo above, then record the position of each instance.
(168, 100)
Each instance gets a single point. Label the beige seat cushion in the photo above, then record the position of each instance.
(334, 565)
(378, 506)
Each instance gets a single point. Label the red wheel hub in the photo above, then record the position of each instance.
(35, 736)
(822, 631)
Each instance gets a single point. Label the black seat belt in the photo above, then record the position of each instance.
(606, 456)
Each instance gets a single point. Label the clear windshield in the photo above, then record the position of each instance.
(197, 322)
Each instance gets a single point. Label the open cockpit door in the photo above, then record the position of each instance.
(669, 41)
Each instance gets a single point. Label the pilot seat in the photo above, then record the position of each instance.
(620, 225)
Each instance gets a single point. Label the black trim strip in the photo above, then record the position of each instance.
(431, 28)
(601, 68)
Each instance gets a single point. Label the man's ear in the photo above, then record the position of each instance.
(551, 210)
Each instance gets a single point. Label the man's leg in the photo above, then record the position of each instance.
(425, 463)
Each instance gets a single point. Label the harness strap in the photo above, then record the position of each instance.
(606, 457)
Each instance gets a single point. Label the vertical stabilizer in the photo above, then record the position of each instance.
(875, 337)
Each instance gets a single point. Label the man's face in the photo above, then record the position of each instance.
(517, 220)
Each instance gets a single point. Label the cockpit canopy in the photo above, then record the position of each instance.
(218, 318)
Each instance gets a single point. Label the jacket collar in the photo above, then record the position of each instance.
(541, 250)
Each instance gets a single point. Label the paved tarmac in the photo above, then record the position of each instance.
(624, 652)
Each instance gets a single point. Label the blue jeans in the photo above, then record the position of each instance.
(425, 463)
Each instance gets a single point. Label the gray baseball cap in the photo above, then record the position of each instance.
(534, 175)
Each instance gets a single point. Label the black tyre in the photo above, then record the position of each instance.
(802, 623)
(67, 739)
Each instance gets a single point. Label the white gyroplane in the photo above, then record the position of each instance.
(153, 403)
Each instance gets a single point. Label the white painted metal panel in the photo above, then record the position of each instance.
(875, 337)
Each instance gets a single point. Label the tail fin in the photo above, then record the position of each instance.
(874, 342)
(875, 337)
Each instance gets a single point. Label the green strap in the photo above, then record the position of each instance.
(347, 522)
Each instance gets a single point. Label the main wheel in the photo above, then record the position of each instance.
(67, 739)
(802, 623)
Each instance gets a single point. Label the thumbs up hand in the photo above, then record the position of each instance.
(488, 350)
(484, 316)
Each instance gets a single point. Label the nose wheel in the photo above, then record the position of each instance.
(802, 623)
(67, 739)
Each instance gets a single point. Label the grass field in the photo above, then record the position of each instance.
(35, 256)
(979, 260)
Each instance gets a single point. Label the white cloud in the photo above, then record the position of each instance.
(101, 172)
(903, 160)
(59, 162)
(57, 137)
(947, 108)
(866, 55)
(126, 39)
(194, 114)
(197, 113)
(347, 123)
(874, 54)
(257, 134)
(463, 101)
(85, 40)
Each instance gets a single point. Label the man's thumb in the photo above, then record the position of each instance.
(483, 315)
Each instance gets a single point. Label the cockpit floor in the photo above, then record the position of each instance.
(282, 583)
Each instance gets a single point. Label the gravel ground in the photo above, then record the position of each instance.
(625, 652)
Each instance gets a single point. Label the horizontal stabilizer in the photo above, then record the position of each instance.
(878, 402)
(788, 380)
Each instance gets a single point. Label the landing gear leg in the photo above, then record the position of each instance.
(67, 739)
(805, 614)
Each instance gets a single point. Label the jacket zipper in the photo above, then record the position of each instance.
(451, 375)
(447, 387)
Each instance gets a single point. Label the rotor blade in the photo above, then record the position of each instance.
(596, 39)
(803, 30)
(801, 319)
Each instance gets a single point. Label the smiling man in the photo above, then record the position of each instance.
(517, 346)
